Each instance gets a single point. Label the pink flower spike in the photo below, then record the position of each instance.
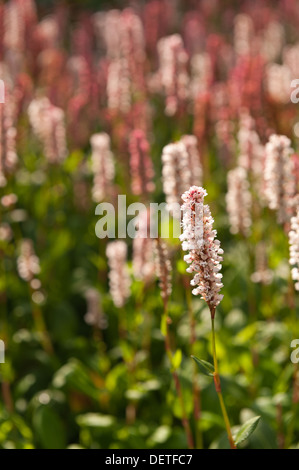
(199, 238)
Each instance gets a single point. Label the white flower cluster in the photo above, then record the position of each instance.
(173, 73)
(191, 144)
(294, 248)
(119, 279)
(126, 54)
(280, 186)
(27, 263)
(176, 174)
(48, 124)
(102, 165)
(8, 132)
(251, 149)
(262, 274)
(94, 315)
(238, 201)
(199, 239)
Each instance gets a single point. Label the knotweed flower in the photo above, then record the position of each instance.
(8, 133)
(6, 232)
(262, 274)
(47, 33)
(14, 28)
(163, 269)
(118, 86)
(141, 165)
(143, 260)
(126, 53)
(243, 34)
(251, 149)
(94, 315)
(204, 257)
(47, 122)
(191, 144)
(27, 263)
(277, 82)
(102, 166)
(9, 200)
(238, 201)
(176, 174)
(280, 185)
(199, 239)
(273, 41)
(201, 73)
(294, 248)
(173, 72)
(119, 280)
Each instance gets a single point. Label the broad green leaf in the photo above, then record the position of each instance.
(246, 429)
(205, 367)
(49, 428)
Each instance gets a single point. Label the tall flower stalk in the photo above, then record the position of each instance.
(163, 272)
(204, 258)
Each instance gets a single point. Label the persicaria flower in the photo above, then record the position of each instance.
(251, 149)
(94, 315)
(102, 166)
(8, 133)
(262, 274)
(143, 260)
(191, 144)
(238, 201)
(48, 124)
(142, 170)
(173, 71)
(119, 280)
(27, 263)
(126, 55)
(9, 200)
(176, 174)
(205, 253)
(280, 185)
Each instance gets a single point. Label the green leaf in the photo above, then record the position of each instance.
(95, 420)
(49, 428)
(161, 434)
(177, 359)
(246, 429)
(205, 367)
(74, 375)
(163, 325)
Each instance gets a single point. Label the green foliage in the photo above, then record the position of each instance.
(246, 430)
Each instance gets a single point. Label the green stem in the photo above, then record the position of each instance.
(185, 421)
(195, 386)
(40, 325)
(218, 385)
